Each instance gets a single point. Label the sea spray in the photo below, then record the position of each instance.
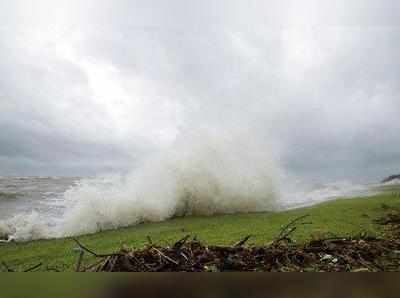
(203, 173)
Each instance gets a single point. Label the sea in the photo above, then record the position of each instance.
(26, 194)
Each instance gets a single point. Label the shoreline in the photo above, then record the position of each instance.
(345, 217)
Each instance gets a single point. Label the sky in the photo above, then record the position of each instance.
(90, 87)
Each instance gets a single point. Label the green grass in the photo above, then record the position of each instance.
(344, 217)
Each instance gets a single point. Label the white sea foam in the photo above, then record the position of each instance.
(25, 226)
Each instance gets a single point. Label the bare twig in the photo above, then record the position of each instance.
(185, 257)
(92, 252)
(94, 265)
(290, 228)
(287, 234)
(291, 223)
(181, 242)
(164, 256)
(33, 268)
(243, 241)
(79, 262)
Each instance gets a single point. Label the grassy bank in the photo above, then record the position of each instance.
(344, 217)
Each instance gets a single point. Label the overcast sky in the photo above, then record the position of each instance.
(89, 87)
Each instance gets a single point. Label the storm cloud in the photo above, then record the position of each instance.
(88, 87)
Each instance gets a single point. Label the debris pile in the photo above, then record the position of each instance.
(190, 255)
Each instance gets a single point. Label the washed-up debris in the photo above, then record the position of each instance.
(336, 254)
(193, 256)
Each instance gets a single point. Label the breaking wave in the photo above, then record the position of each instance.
(201, 174)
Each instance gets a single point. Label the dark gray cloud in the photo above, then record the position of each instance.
(92, 86)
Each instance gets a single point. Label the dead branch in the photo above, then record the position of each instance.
(290, 228)
(33, 268)
(79, 262)
(81, 246)
(243, 241)
(164, 256)
(181, 242)
(291, 223)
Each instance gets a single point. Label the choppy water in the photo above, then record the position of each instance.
(26, 194)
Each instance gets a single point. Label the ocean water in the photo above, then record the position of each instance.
(52, 207)
(26, 194)
(26, 202)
